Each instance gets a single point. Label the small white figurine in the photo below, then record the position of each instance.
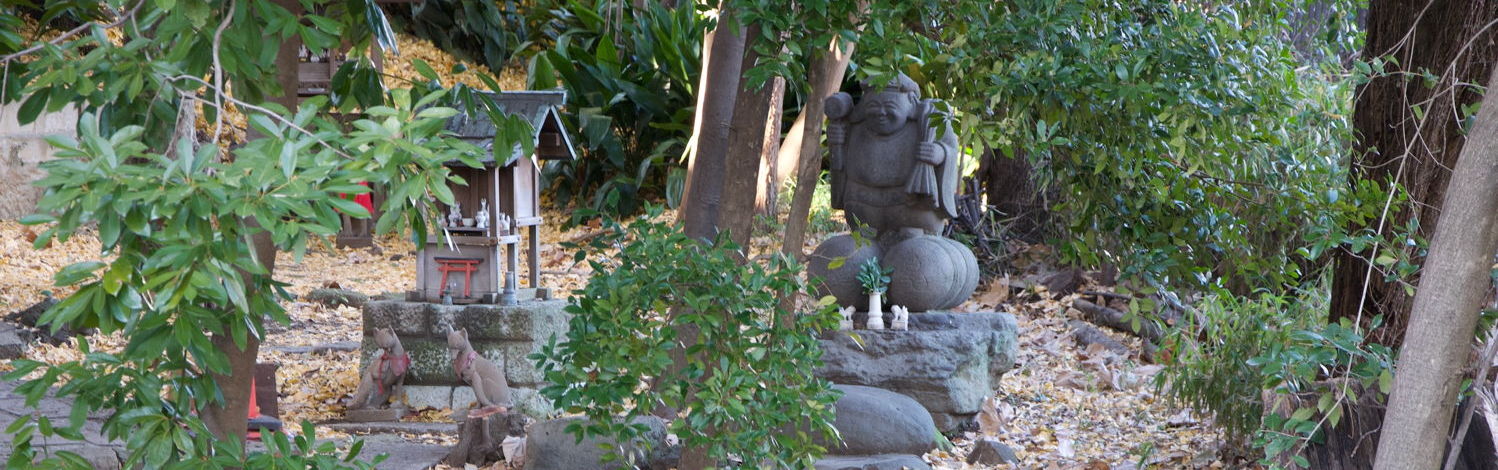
(902, 318)
(454, 217)
(502, 224)
(847, 322)
(483, 216)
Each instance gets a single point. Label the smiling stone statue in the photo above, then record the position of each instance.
(894, 173)
(892, 170)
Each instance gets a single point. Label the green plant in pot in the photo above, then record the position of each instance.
(875, 280)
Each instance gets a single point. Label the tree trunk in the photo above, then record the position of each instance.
(1009, 183)
(768, 186)
(746, 147)
(231, 417)
(1440, 36)
(1452, 290)
(825, 74)
(703, 194)
(788, 150)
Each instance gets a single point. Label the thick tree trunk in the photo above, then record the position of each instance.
(746, 146)
(825, 74)
(1452, 290)
(231, 417)
(1442, 37)
(1010, 187)
(702, 197)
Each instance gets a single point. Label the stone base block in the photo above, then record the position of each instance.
(949, 362)
(528, 401)
(369, 415)
(872, 462)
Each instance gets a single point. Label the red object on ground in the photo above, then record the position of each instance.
(254, 410)
(467, 266)
(365, 199)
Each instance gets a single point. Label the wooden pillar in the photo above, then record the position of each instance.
(535, 256)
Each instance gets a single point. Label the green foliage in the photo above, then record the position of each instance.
(630, 84)
(1233, 353)
(1188, 143)
(1210, 353)
(490, 33)
(747, 390)
(1297, 369)
(178, 275)
(873, 278)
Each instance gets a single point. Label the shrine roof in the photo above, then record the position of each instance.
(539, 108)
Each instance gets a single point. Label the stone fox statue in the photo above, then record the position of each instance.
(386, 376)
(486, 378)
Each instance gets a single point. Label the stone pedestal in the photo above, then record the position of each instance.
(375, 415)
(948, 362)
(505, 335)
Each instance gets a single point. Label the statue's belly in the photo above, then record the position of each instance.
(879, 164)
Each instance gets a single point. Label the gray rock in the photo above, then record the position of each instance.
(12, 346)
(549, 447)
(337, 297)
(872, 462)
(930, 273)
(874, 421)
(949, 362)
(989, 451)
(843, 281)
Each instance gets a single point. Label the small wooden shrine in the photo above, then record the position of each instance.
(461, 262)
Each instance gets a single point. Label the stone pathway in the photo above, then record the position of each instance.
(103, 454)
(99, 451)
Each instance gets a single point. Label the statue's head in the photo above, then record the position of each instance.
(888, 110)
(457, 339)
(385, 338)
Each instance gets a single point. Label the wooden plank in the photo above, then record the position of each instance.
(535, 256)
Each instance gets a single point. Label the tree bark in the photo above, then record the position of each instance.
(746, 146)
(1441, 36)
(825, 72)
(1452, 290)
(1009, 184)
(768, 186)
(230, 418)
(702, 197)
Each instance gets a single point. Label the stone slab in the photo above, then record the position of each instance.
(324, 348)
(949, 362)
(527, 400)
(394, 427)
(872, 462)
(369, 415)
(98, 450)
(549, 447)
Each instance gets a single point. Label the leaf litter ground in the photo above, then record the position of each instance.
(1063, 407)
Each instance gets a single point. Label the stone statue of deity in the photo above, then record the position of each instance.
(894, 173)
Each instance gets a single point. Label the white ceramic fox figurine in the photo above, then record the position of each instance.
(901, 319)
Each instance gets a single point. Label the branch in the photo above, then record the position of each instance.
(74, 32)
(219, 94)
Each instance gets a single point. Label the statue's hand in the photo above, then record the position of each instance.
(836, 134)
(929, 153)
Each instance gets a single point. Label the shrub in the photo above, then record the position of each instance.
(630, 94)
(746, 388)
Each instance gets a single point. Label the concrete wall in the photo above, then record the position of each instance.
(22, 149)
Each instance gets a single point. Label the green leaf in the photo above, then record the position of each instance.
(424, 70)
(1302, 414)
(35, 219)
